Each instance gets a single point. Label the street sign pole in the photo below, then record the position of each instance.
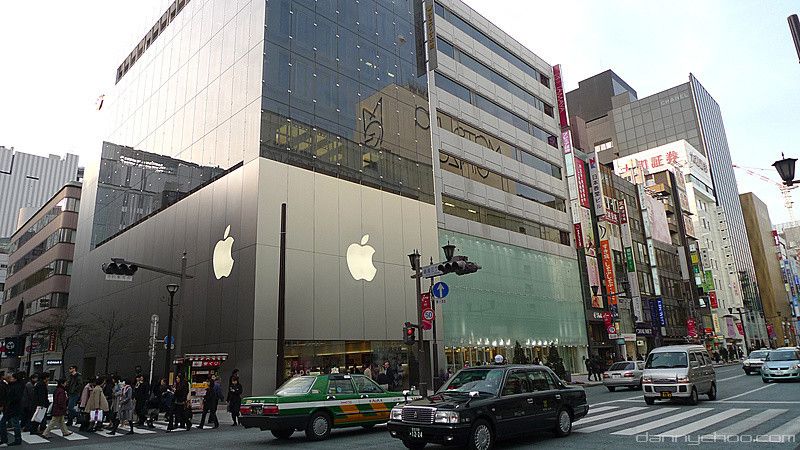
(153, 334)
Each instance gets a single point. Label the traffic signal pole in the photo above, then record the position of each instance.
(420, 347)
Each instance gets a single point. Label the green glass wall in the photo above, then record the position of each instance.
(518, 295)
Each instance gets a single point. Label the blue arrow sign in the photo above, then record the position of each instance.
(440, 289)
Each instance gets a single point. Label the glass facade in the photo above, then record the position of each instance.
(342, 96)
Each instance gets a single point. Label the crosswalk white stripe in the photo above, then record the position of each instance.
(593, 410)
(662, 422)
(609, 414)
(34, 439)
(138, 430)
(746, 424)
(789, 428)
(700, 424)
(72, 437)
(624, 420)
(163, 427)
(108, 434)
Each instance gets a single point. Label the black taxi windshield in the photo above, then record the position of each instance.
(485, 381)
(296, 386)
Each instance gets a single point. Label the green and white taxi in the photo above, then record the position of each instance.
(318, 403)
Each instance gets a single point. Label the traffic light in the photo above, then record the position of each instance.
(409, 333)
(120, 269)
(459, 265)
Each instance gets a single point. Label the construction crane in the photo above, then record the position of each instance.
(786, 191)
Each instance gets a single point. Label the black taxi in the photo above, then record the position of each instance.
(480, 405)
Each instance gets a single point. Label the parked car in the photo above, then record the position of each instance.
(624, 374)
(781, 364)
(679, 371)
(317, 403)
(481, 405)
(754, 361)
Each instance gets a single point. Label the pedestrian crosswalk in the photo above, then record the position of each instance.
(706, 423)
(78, 435)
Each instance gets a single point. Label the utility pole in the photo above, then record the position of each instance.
(414, 258)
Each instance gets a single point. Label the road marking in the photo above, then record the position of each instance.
(790, 428)
(34, 439)
(138, 430)
(609, 414)
(747, 393)
(72, 437)
(759, 402)
(663, 422)
(614, 401)
(593, 410)
(163, 427)
(624, 420)
(700, 424)
(746, 424)
(731, 378)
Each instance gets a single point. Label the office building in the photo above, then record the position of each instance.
(27, 181)
(34, 308)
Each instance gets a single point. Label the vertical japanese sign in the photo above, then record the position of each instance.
(430, 35)
(427, 311)
(562, 103)
(578, 236)
(594, 280)
(691, 327)
(608, 270)
(597, 188)
(630, 262)
(580, 180)
(740, 328)
(712, 298)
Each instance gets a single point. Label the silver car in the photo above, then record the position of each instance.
(754, 361)
(624, 374)
(679, 371)
(781, 364)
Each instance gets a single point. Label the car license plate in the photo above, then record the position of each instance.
(415, 433)
(614, 375)
(666, 394)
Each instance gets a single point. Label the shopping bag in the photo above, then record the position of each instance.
(96, 415)
(38, 416)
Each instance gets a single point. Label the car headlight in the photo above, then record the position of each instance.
(795, 366)
(684, 379)
(446, 417)
(647, 379)
(747, 363)
(397, 413)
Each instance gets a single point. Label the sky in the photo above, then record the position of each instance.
(53, 66)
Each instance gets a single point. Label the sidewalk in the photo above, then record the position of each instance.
(582, 379)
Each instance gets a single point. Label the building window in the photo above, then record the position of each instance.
(65, 204)
(604, 146)
(57, 267)
(62, 235)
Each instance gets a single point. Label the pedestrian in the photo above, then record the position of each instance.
(182, 403)
(96, 406)
(40, 404)
(367, 370)
(125, 405)
(3, 393)
(84, 413)
(60, 404)
(73, 388)
(108, 391)
(153, 406)
(12, 412)
(588, 363)
(724, 353)
(234, 374)
(234, 399)
(211, 402)
(27, 401)
(141, 394)
(168, 405)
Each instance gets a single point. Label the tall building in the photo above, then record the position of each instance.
(764, 247)
(34, 308)
(501, 194)
(27, 181)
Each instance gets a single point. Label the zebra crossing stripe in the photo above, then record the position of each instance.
(34, 439)
(609, 414)
(789, 428)
(600, 409)
(746, 424)
(624, 420)
(138, 430)
(662, 422)
(72, 437)
(700, 424)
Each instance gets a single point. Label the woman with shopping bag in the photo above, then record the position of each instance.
(96, 406)
(40, 402)
(123, 402)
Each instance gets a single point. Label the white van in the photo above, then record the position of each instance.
(679, 371)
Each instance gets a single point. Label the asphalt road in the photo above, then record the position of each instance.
(746, 410)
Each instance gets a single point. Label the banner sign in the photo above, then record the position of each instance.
(740, 328)
(708, 281)
(731, 327)
(594, 280)
(580, 179)
(578, 236)
(712, 298)
(662, 320)
(597, 187)
(770, 330)
(427, 311)
(644, 329)
(51, 347)
(608, 270)
(9, 347)
(691, 327)
(629, 259)
(562, 103)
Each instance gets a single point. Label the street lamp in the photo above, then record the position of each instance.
(744, 333)
(172, 288)
(785, 168)
(414, 258)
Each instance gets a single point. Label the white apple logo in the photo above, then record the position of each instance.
(359, 260)
(223, 261)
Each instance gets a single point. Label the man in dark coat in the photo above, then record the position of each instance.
(141, 393)
(40, 400)
(27, 400)
(182, 419)
(13, 409)
(211, 402)
(74, 387)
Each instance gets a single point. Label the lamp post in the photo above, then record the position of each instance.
(744, 333)
(172, 289)
(414, 259)
(785, 167)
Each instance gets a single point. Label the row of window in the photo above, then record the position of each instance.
(493, 76)
(478, 100)
(66, 204)
(53, 300)
(492, 142)
(62, 235)
(493, 179)
(57, 267)
(491, 44)
(482, 214)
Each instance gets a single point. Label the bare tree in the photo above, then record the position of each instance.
(71, 330)
(111, 331)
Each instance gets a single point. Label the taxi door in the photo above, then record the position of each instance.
(546, 399)
(512, 411)
(341, 400)
(371, 400)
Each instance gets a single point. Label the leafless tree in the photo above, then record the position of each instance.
(111, 332)
(71, 330)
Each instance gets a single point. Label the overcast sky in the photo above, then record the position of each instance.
(57, 57)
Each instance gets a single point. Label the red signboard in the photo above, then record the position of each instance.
(607, 318)
(51, 347)
(580, 179)
(712, 298)
(562, 104)
(427, 311)
(623, 212)
(578, 236)
(770, 330)
(608, 270)
(690, 327)
(740, 328)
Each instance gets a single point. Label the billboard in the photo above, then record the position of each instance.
(597, 187)
(657, 219)
(608, 270)
(580, 180)
(594, 280)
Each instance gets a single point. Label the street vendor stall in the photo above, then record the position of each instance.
(198, 369)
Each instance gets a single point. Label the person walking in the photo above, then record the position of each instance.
(3, 394)
(73, 387)
(168, 404)
(182, 403)
(124, 404)
(96, 406)
(211, 402)
(84, 413)
(40, 404)
(12, 412)
(60, 404)
(234, 399)
(234, 374)
(368, 370)
(141, 394)
(108, 391)
(27, 401)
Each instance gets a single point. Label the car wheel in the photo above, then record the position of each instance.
(747, 372)
(764, 380)
(282, 434)
(649, 400)
(414, 445)
(712, 393)
(481, 437)
(611, 388)
(319, 426)
(563, 423)
(693, 397)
